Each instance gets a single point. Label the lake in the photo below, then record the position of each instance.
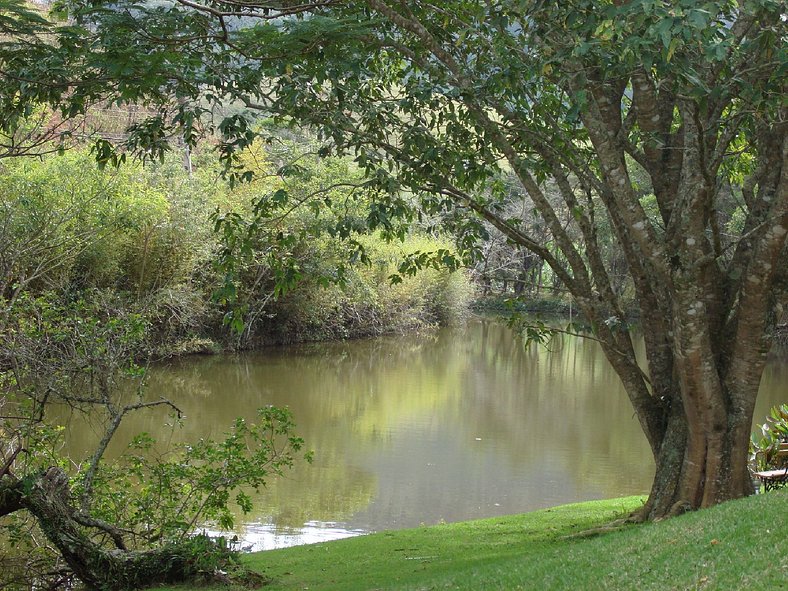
(459, 424)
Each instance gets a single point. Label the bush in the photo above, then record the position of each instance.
(366, 303)
(289, 245)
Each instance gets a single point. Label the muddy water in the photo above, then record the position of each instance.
(461, 424)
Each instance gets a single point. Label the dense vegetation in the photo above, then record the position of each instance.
(142, 240)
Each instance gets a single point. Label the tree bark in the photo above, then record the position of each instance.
(47, 497)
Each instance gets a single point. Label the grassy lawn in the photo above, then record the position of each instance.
(739, 545)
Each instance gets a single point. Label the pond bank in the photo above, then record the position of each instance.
(736, 545)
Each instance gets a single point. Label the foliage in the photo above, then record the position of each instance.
(164, 498)
(367, 302)
(275, 234)
(145, 234)
(208, 557)
(50, 347)
(68, 225)
(764, 448)
(300, 260)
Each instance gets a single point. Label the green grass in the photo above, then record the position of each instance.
(738, 545)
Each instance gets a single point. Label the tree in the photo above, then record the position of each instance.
(433, 100)
(123, 523)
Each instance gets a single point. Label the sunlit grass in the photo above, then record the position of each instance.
(738, 545)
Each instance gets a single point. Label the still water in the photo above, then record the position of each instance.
(460, 424)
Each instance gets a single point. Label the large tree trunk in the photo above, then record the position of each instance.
(697, 473)
(709, 398)
(47, 497)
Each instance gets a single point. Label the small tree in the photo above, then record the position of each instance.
(118, 524)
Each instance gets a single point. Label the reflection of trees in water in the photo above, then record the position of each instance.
(537, 401)
(561, 405)
(774, 387)
(330, 491)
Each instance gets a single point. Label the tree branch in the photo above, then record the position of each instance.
(117, 418)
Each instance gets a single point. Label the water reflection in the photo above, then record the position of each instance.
(267, 536)
(461, 424)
